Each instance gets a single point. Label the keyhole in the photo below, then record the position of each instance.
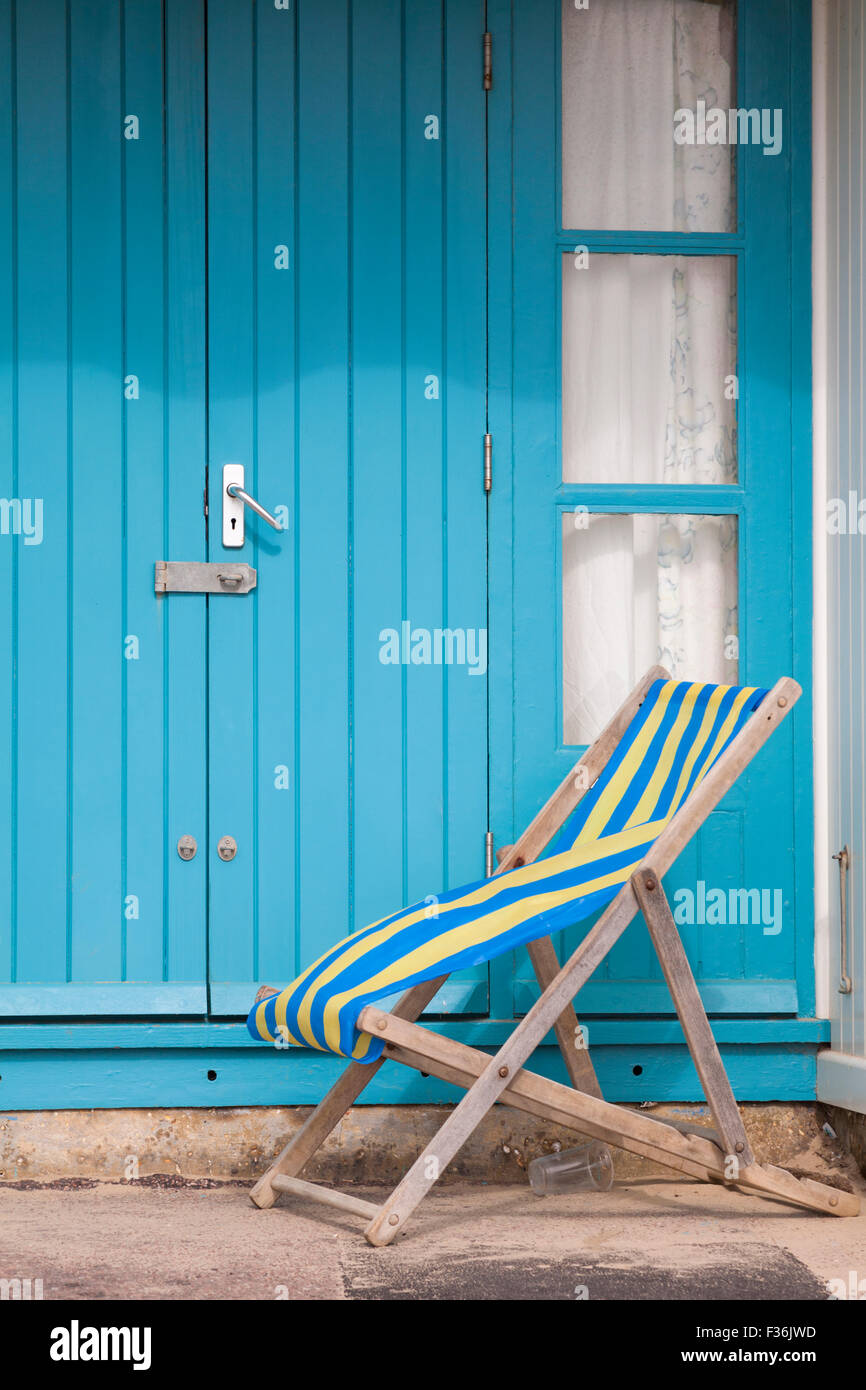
(234, 522)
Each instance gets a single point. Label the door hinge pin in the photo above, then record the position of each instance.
(489, 858)
(488, 462)
(488, 62)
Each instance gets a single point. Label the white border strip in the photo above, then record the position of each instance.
(820, 649)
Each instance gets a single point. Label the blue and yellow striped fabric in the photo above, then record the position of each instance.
(669, 746)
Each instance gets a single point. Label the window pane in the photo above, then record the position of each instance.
(637, 590)
(627, 67)
(649, 357)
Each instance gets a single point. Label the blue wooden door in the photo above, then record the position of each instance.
(103, 418)
(602, 479)
(346, 238)
(249, 233)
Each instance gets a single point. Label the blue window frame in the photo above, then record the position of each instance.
(760, 837)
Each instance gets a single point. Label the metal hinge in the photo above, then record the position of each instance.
(488, 62)
(488, 462)
(489, 857)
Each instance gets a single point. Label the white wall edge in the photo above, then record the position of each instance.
(842, 1081)
(820, 647)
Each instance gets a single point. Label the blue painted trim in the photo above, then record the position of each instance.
(231, 998)
(80, 1000)
(651, 497)
(73, 1080)
(478, 1032)
(665, 243)
(745, 996)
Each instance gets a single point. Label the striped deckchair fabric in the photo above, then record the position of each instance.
(673, 740)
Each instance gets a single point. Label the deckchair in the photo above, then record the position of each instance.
(623, 814)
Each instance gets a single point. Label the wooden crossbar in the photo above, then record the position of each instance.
(423, 1049)
(330, 1196)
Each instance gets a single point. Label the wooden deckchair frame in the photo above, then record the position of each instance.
(721, 1155)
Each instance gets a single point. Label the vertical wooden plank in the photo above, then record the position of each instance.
(8, 489)
(276, 465)
(382, 455)
(233, 632)
(425, 391)
(184, 420)
(766, 538)
(464, 543)
(501, 501)
(143, 668)
(98, 400)
(324, 467)
(43, 770)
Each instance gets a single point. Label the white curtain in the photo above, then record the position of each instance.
(649, 356)
(648, 352)
(640, 589)
(627, 66)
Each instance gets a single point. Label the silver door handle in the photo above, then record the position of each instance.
(843, 859)
(235, 490)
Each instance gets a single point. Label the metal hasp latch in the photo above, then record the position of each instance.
(843, 859)
(200, 577)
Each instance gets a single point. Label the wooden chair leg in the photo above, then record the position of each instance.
(578, 1063)
(692, 1015)
(330, 1111)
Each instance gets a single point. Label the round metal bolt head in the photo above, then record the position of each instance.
(834, 1201)
(393, 1220)
(503, 1071)
(187, 846)
(381, 1021)
(649, 884)
(739, 1146)
(782, 701)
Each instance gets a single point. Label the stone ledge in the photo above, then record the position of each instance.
(373, 1144)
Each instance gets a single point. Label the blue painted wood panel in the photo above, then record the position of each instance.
(347, 373)
(233, 1072)
(760, 837)
(104, 409)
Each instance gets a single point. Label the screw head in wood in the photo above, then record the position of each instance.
(739, 1146)
(834, 1201)
(649, 884)
(393, 1220)
(381, 1021)
(503, 1071)
(782, 701)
